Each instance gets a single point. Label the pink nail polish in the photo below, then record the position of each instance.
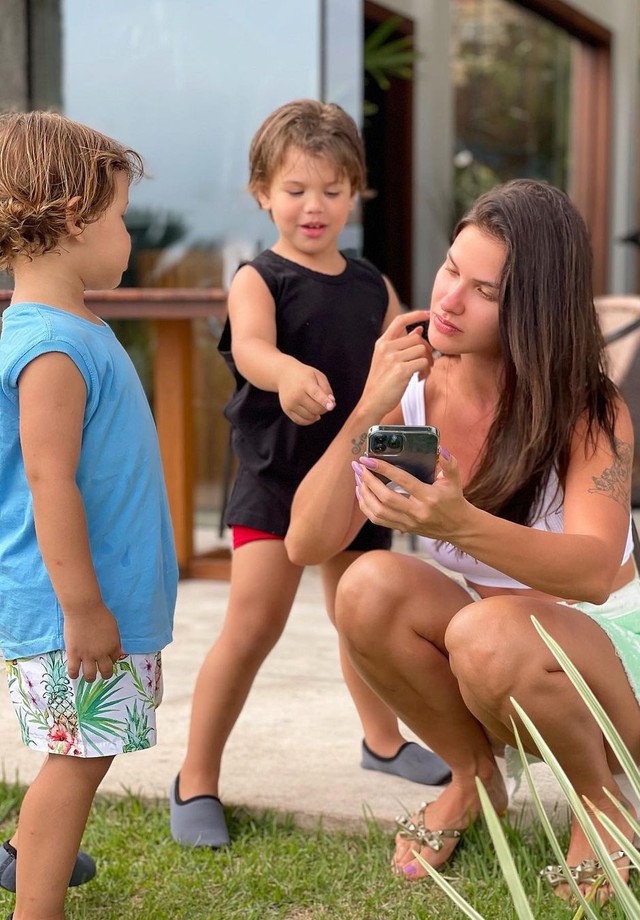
(445, 453)
(409, 870)
(369, 462)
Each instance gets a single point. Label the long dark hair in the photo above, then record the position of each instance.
(552, 347)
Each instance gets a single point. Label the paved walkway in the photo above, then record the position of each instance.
(296, 746)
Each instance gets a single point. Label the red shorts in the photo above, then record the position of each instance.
(241, 535)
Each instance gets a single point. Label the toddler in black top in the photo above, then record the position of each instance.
(303, 321)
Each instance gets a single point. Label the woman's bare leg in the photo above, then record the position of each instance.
(379, 723)
(262, 590)
(392, 612)
(497, 654)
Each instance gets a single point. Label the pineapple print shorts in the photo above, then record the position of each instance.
(60, 715)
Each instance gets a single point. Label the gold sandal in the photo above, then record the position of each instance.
(411, 830)
(588, 872)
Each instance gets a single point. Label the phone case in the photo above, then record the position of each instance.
(413, 448)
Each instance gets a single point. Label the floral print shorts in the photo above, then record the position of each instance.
(61, 715)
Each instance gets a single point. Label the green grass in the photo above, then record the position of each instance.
(275, 869)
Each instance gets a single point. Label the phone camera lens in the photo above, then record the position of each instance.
(379, 443)
(395, 441)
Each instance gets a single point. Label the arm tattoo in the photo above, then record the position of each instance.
(614, 481)
(357, 445)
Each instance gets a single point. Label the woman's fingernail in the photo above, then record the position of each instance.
(369, 462)
(358, 492)
(409, 870)
(357, 469)
(445, 453)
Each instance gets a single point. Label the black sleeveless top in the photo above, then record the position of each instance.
(330, 322)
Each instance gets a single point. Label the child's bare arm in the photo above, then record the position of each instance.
(305, 393)
(52, 397)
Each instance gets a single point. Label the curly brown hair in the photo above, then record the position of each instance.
(46, 160)
(322, 129)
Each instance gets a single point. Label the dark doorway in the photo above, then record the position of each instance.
(388, 137)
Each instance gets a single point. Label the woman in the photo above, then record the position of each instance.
(529, 513)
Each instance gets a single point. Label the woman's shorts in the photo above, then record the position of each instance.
(63, 715)
(619, 617)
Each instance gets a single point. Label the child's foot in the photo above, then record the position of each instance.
(436, 830)
(411, 761)
(198, 821)
(83, 871)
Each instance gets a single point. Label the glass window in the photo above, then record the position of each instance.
(511, 71)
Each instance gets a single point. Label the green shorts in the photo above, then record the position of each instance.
(619, 617)
(63, 715)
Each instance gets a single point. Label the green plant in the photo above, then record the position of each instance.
(625, 896)
(384, 59)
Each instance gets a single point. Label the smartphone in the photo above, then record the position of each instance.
(413, 448)
(425, 328)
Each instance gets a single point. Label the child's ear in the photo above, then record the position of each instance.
(264, 200)
(75, 225)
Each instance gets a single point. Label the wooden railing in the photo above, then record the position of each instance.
(171, 311)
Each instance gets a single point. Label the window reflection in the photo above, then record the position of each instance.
(511, 71)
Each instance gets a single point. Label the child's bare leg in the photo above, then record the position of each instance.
(263, 586)
(51, 824)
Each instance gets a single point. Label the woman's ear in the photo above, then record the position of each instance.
(75, 225)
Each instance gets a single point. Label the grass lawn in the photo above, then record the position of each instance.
(274, 869)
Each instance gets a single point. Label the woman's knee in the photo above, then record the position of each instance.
(366, 594)
(482, 643)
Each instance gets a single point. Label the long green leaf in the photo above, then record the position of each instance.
(618, 746)
(381, 33)
(449, 890)
(505, 858)
(548, 828)
(624, 895)
(633, 821)
(619, 836)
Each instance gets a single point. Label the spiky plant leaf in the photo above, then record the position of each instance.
(624, 895)
(607, 727)
(449, 890)
(505, 858)
(548, 828)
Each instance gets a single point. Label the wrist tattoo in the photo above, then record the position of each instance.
(357, 444)
(615, 480)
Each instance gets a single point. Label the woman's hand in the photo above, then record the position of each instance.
(436, 511)
(397, 356)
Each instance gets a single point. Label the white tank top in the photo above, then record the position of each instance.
(550, 518)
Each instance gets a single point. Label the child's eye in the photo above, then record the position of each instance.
(295, 194)
(332, 194)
